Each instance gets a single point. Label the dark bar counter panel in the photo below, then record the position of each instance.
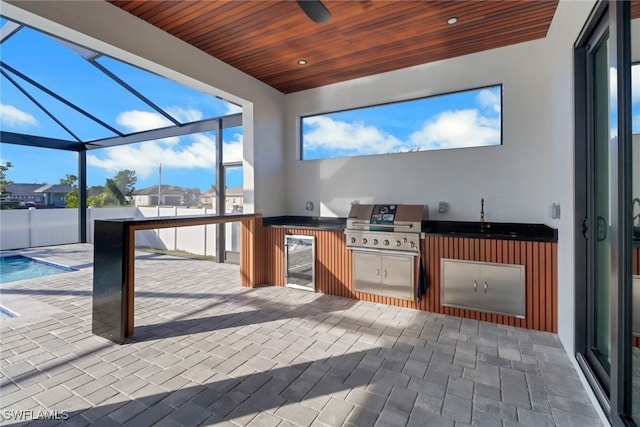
(109, 280)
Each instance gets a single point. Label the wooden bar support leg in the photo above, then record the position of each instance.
(249, 252)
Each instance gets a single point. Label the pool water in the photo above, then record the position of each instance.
(18, 267)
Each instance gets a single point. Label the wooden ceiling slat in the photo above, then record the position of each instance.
(380, 42)
(242, 55)
(235, 25)
(399, 47)
(204, 22)
(170, 13)
(145, 9)
(381, 65)
(266, 38)
(635, 9)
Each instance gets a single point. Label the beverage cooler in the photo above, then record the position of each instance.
(299, 262)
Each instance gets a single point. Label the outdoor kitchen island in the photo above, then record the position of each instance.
(114, 261)
(486, 246)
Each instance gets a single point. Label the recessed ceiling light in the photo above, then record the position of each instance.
(452, 20)
(302, 62)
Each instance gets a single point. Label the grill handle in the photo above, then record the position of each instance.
(382, 225)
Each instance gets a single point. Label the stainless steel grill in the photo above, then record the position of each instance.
(385, 227)
(385, 243)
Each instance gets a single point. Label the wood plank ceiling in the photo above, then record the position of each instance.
(266, 39)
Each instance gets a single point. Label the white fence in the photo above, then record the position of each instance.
(26, 228)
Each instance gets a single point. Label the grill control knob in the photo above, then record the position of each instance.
(353, 240)
(413, 245)
(375, 241)
(386, 243)
(364, 241)
(398, 243)
(405, 239)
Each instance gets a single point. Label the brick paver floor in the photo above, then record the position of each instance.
(209, 352)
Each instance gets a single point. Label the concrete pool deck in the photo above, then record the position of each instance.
(209, 352)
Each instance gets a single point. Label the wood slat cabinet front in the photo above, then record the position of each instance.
(540, 272)
(635, 270)
(334, 267)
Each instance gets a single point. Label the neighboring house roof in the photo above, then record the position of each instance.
(234, 191)
(165, 189)
(21, 189)
(230, 192)
(54, 188)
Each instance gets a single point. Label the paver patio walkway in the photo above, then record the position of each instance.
(207, 351)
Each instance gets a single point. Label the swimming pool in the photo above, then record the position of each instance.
(18, 267)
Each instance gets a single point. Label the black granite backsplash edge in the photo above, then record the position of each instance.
(313, 222)
(488, 230)
(492, 230)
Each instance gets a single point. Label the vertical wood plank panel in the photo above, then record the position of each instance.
(334, 269)
(548, 272)
(543, 285)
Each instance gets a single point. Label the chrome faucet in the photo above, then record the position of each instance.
(636, 200)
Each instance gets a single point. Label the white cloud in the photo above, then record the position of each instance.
(456, 129)
(450, 129)
(489, 98)
(232, 109)
(232, 150)
(635, 83)
(138, 121)
(185, 115)
(145, 157)
(12, 117)
(185, 152)
(342, 137)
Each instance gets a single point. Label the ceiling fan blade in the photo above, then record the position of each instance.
(315, 10)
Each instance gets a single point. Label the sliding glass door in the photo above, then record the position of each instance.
(607, 259)
(596, 224)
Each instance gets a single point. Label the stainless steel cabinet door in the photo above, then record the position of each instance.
(503, 289)
(459, 287)
(492, 287)
(397, 276)
(366, 272)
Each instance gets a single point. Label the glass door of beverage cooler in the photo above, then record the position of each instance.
(299, 262)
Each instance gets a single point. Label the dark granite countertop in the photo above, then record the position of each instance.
(491, 230)
(306, 222)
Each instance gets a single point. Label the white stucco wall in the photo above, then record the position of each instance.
(103, 27)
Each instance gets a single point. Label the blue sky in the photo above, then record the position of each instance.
(187, 161)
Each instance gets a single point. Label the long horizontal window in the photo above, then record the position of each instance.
(471, 118)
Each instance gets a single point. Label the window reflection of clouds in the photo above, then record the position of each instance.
(463, 119)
